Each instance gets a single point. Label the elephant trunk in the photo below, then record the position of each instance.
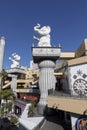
(36, 28)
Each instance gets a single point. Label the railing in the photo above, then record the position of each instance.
(65, 94)
(66, 102)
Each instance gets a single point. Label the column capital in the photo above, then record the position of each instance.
(47, 64)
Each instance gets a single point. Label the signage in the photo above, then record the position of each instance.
(81, 124)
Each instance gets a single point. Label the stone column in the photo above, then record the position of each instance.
(2, 45)
(14, 83)
(47, 81)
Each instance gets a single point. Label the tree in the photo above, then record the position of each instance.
(3, 76)
(8, 97)
(31, 108)
(8, 94)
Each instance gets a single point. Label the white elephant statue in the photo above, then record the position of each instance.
(15, 60)
(44, 39)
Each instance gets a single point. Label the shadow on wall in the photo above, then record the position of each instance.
(56, 117)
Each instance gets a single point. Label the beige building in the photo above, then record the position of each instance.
(26, 79)
(71, 88)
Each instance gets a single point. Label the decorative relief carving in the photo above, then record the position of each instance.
(80, 84)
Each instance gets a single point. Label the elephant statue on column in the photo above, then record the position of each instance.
(44, 39)
(15, 60)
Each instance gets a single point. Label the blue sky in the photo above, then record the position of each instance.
(67, 19)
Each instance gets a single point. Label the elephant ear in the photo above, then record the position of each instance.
(48, 29)
(45, 30)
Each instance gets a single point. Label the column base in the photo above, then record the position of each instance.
(40, 109)
(41, 105)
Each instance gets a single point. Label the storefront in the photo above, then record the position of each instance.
(18, 107)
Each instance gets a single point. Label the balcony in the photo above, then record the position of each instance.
(22, 90)
(67, 102)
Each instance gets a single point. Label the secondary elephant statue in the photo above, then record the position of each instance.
(15, 60)
(44, 39)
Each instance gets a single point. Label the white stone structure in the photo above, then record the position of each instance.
(45, 55)
(46, 80)
(33, 65)
(2, 45)
(15, 60)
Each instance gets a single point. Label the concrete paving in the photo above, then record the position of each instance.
(52, 122)
(37, 123)
(51, 126)
(30, 123)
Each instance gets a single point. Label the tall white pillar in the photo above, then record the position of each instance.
(2, 45)
(47, 81)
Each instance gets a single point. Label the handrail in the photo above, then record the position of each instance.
(66, 95)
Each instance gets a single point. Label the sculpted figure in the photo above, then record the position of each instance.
(15, 60)
(44, 39)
